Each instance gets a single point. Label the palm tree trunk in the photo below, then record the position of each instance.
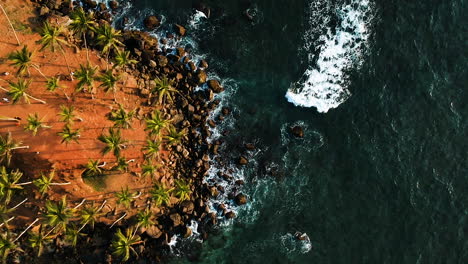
(66, 60)
(11, 25)
(116, 221)
(86, 47)
(80, 204)
(21, 147)
(39, 71)
(4, 118)
(22, 202)
(24, 183)
(6, 221)
(36, 99)
(59, 184)
(24, 231)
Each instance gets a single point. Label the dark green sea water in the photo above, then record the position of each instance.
(382, 178)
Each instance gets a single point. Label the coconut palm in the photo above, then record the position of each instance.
(122, 243)
(156, 123)
(69, 135)
(67, 114)
(11, 25)
(18, 91)
(34, 123)
(81, 23)
(7, 146)
(6, 245)
(93, 168)
(164, 89)
(50, 38)
(53, 83)
(182, 190)
(122, 164)
(121, 118)
(174, 137)
(89, 215)
(148, 169)
(124, 197)
(45, 182)
(72, 234)
(58, 214)
(160, 194)
(85, 76)
(122, 58)
(108, 38)
(22, 59)
(113, 141)
(37, 241)
(144, 218)
(9, 183)
(151, 148)
(109, 81)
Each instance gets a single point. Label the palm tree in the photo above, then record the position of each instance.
(85, 76)
(23, 60)
(45, 182)
(11, 25)
(143, 218)
(164, 89)
(81, 23)
(53, 83)
(18, 91)
(34, 123)
(50, 38)
(148, 169)
(124, 197)
(122, 58)
(9, 183)
(57, 214)
(109, 81)
(122, 118)
(67, 114)
(93, 169)
(156, 123)
(161, 194)
(151, 148)
(37, 240)
(89, 215)
(7, 145)
(107, 37)
(182, 190)
(173, 137)
(72, 234)
(6, 245)
(113, 141)
(69, 135)
(122, 244)
(122, 164)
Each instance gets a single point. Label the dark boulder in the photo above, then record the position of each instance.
(201, 77)
(186, 232)
(230, 215)
(242, 160)
(161, 60)
(249, 146)
(240, 199)
(203, 64)
(113, 4)
(180, 30)
(187, 207)
(215, 86)
(153, 231)
(151, 22)
(176, 219)
(297, 131)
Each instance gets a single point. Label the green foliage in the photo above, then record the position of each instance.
(72, 234)
(108, 81)
(7, 145)
(182, 190)
(121, 118)
(50, 37)
(67, 114)
(92, 168)
(161, 195)
(9, 183)
(58, 214)
(43, 183)
(122, 243)
(18, 90)
(148, 169)
(174, 137)
(6, 246)
(164, 89)
(122, 164)
(89, 215)
(124, 197)
(151, 148)
(156, 123)
(108, 38)
(113, 141)
(85, 76)
(34, 123)
(143, 218)
(81, 21)
(52, 83)
(37, 241)
(122, 58)
(69, 135)
(22, 59)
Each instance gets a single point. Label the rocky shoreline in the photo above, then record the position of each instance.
(190, 160)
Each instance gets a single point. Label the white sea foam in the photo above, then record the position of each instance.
(324, 84)
(291, 244)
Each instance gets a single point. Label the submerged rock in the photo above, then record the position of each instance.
(243, 160)
(230, 215)
(151, 22)
(215, 86)
(240, 199)
(297, 131)
(113, 4)
(180, 30)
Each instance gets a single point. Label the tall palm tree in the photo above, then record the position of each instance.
(53, 83)
(82, 22)
(67, 114)
(182, 190)
(108, 38)
(173, 136)
(58, 214)
(6, 246)
(7, 146)
(160, 194)
(144, 218)
(109, 81)
(156, 123)
(72, 234)
(151, 148)
(45, 182)
(37, 241)
(34, 123)
(9, 183)
(18, 91)
(11, 25)
(121, 118)
(89, 215)
(113, 141)
(122, 164)
(122, 58)
(50, 38)
(148, 169)
(164, 89)
(22, 59)
(124, 197)
(122, 243)
(85, 76)
(69, 135)
(93, 168)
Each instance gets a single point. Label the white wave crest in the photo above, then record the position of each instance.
(324, 84)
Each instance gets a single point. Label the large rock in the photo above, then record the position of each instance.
(186, 232)
(240, 199)
(153, 231)
(201, 77)
(215, 86)
(187, 207)
(180, 30)
(243, 161)
(162, 60)
(151, 22)
(113, 4)
(230, 215)
(176, 219)
(297, 131)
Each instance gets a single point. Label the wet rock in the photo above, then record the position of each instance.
(113, 5)
(151, 22)
(239, 182)
(230, 215)
(297, 131)
(203, 64)
(211, 123)
(213, 191)
(249, 146)
(180, 51)
(153, 231)
(187, 207)
(240, 199)
(44, 10)
(102, 6)
(243, 160)
(201, 77)
(180, 30)
(190, 108)
(161, 60)
(192, 66)
(176, 219)
(225, 111)
(215, 86)
(186, 232)
(152, 64)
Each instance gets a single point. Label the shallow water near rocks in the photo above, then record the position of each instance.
(382, 176)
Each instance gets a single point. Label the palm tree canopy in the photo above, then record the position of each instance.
(52, 83)
(89, 215)
(50, 37)
(108, 37)
(85, 76)
(58, 214)
(7, 145)
(121, 117)
(34, 123)
(182, 190)
(122, 243)
(164, 89)
(113, 141)
(161, 194)
(151, 148)
(156, 123)
(6, 245)
(69, 135)
(9, 183)
(108, 81)
(143, 218)
(67, 114)
(18, 90)
(148, 169)
(82, 21)
(124, 197)
(37, 240)
(43, 183)
(21, 59)
(173, 136)
(92, 168)
(122, 58)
